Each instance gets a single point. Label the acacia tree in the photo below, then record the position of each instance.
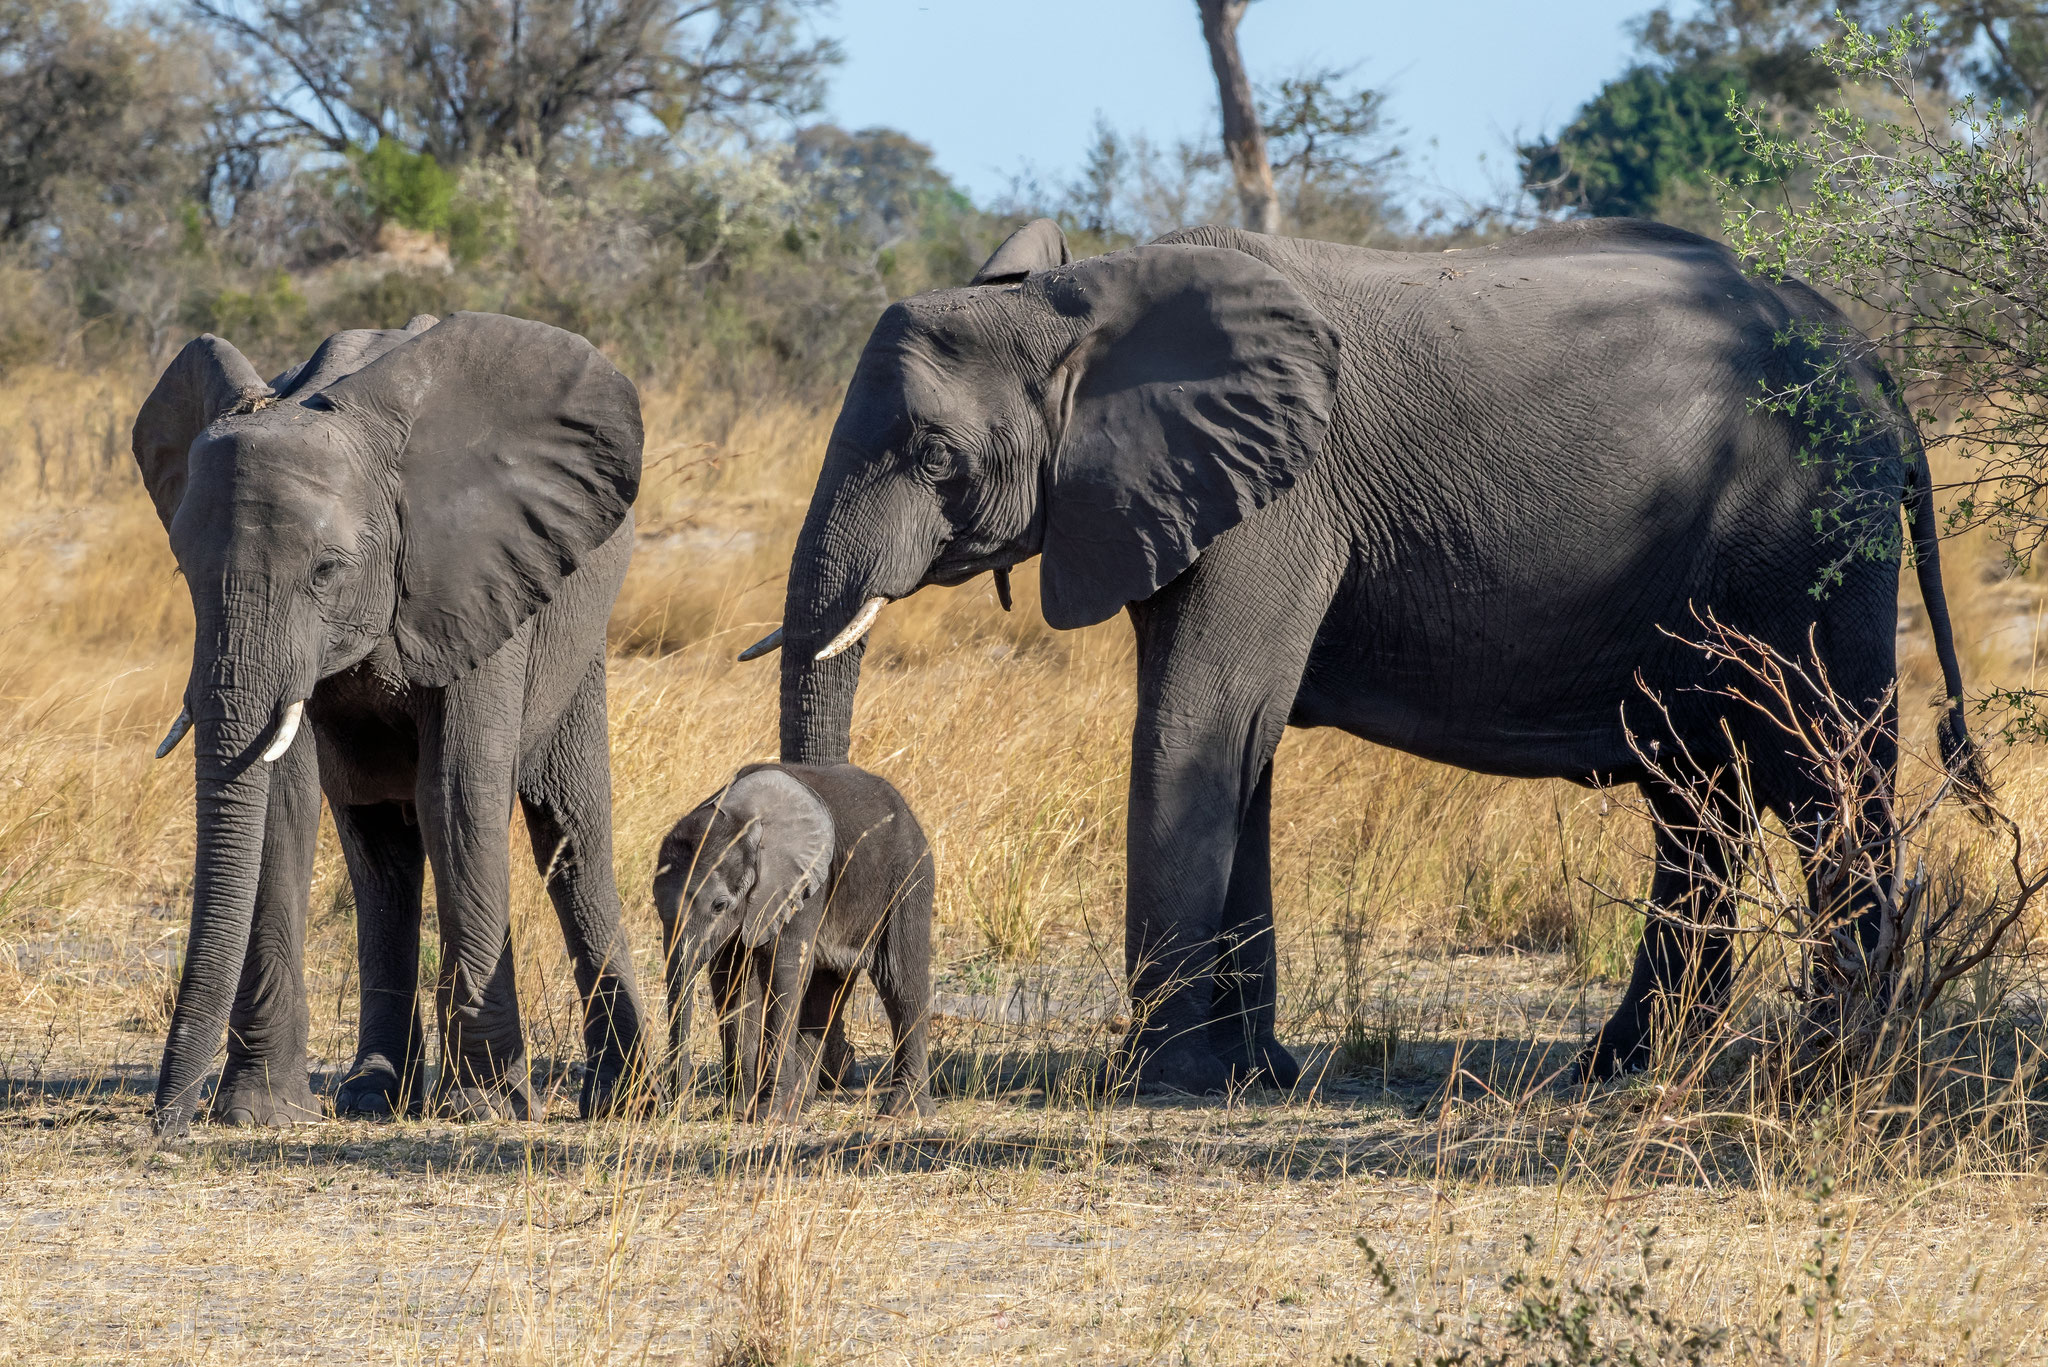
(1934, 220)
(461, 79)
(1244, 133)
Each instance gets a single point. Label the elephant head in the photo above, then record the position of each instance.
(414, 495)
(737, 867)
(1112, 416)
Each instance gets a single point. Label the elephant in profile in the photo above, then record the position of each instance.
(1461, 504)
(401, 556)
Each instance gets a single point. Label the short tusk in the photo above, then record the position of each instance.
(1003, 589)
(287, 731)
(176, 733)
(767, 645)
(855, 629)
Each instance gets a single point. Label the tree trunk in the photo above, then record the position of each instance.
(1244, 137)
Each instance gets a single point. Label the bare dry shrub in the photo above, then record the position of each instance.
(1861, 959)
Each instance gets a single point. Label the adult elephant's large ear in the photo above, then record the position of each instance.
(1199, 390)
(517, 451)
(207, 381)
(796, 840)
(1037, 246)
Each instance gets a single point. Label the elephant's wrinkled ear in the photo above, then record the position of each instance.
(1199, 391)
(517, 451)
(207, 381)
(796, 844)
(1037, 246)
(344, 353)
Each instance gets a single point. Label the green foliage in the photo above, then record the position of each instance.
(1932, 218)
(1606, 1320)
(1617, 1318)
(407, 188)
(1642, 137)
(272, 309)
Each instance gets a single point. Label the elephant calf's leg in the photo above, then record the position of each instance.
(567, 797)
(387, 869)
(264, 1081)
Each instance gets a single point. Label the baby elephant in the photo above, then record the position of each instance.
(786, 884)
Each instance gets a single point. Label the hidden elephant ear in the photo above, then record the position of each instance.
(1037, 246)
(344, 353)
(517, 452)
(794, 854)
(207, 381)
(1199, 390)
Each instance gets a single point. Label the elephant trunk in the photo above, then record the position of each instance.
(238, 706)
(860, 543)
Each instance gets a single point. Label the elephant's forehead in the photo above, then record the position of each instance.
(272, 476)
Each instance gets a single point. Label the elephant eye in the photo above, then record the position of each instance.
(721, 904)
(936, 459)
(324, 572)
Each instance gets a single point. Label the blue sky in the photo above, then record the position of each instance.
(998, 86)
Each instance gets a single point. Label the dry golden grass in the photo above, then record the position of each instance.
(1445, 954)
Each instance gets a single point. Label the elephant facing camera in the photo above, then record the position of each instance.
(783, 888)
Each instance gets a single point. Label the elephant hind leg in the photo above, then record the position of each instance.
(1247, 962)
(567, 799)
(1685, 963)
(387, 863)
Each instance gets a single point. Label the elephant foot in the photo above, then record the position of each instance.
(616, 1091)
(378, 1088)
(1183, 1067)
(472, 1102)
(904, 1104)
(255, 1094)
(245, 1103)
(1619, 1048)
(1266, 1063)
(841, 1072)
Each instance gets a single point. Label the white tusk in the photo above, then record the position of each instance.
(766, 645)
(176, 733)
(855, 629)
(287, 731)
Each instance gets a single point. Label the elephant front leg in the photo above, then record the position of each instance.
(795, 996)
(264, 1081)
(387, 868)
(1218, 672)
(468, 758)
(1247, 970)
(567, 795)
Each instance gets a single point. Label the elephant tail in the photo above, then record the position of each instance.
(1959, 754)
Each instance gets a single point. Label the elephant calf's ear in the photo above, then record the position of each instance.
(1199, 390)
(207, 381)
(796, 841)
(517, 451)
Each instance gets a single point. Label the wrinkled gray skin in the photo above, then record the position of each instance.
(1448, 503)
(420, 533)
(786, 885)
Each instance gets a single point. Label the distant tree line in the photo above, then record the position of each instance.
(1651, 143)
